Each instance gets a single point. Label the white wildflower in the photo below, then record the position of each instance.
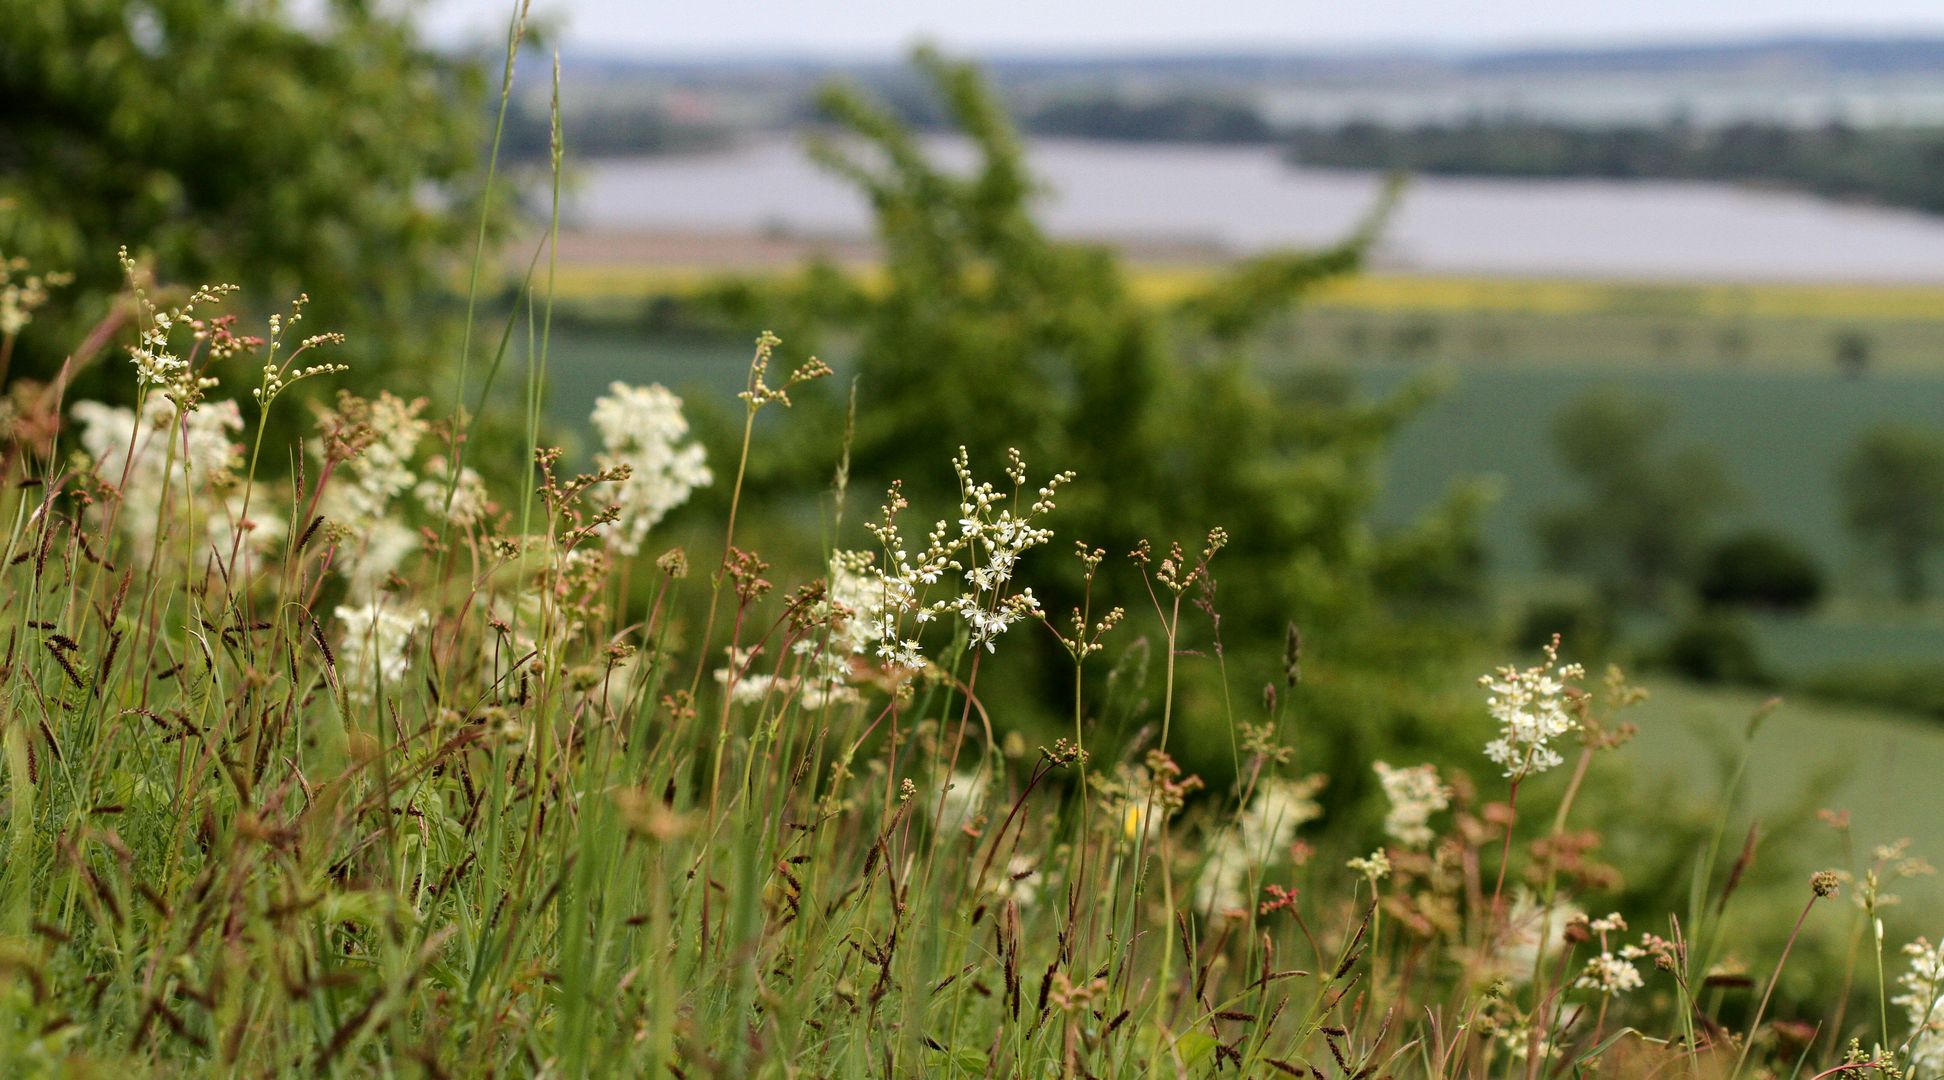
(1518, 1042)
(376, 648)
(1260, 836)
(1923, 1002)
(746, 685)
(1376, 866)
(1414, 793)
(1531, 935)
(188, 462)
(642, 428)
(156, 364)
(469, 501)
(851, 615)
(384, 470)
(1530, 706)
(21, 293)
(359, 501)
(1609, 974)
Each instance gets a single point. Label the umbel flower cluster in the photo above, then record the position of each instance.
(984, 549)
(1414, 794)
(1923, 1003)
(642, 431)
(1258, 839)
(175, 459)
(1533, 707)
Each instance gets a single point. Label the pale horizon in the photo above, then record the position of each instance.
(881, 29)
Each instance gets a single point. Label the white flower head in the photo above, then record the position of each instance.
(1609, 974)
(1376, 866)
(1259, 837)
(1533, 933)
(1414, 793)
(1532, 709)
(376, 648)
(171, 465)
(467, 506)
(1923, 1002)
(642, 428)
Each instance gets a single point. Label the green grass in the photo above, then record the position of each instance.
(1877, 764)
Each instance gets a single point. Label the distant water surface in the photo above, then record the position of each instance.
(1244, 199)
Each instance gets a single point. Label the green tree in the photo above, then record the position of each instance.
(1854, 352)
(1893, 499)
(982, 331)
(226, 141)
(1641, 523)
(1758, 569)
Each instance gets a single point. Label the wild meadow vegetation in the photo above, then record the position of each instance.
(375, 768)
(1035, 694)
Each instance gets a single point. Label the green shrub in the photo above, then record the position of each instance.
(1760, 570)
(1714, 649)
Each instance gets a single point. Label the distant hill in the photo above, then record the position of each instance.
(1820, 55)
(1832, 54)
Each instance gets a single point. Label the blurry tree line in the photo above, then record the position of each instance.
(1896, 166)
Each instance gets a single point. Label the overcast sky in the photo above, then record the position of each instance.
(731, 28)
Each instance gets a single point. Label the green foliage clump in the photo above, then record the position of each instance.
(1893, 499)
(1714, 648)
(1178, 118)
(1640, 527)
(1760, 570)
(226, 140)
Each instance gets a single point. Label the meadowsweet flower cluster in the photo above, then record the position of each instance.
(376, 648)
(845, 624)
(993, 531)
(174, 463)
(1375, 866)
(372, 444)
(465, 504)
(22, 292)
(1610, 972)
(642, 431)
(280, 371)
(157, 365)
(1258, 837)
(1414, 794)
(1923, 1003)
(993, 539)
(745, 685)
(1532, 709)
